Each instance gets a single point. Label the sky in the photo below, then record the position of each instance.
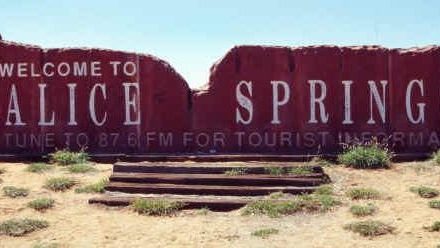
(193, 34)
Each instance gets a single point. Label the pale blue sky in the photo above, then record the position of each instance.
(193, 34)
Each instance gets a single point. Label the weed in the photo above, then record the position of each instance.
(300, 170)
(46, 245)
(435, 227)
(20, 227)
(277, 208)
(14, 192)
(156, 207)
(275, 171)
(363, 194)
(38, 167)
(370, 228)
(366, 156)
(59, 183)
(236, 172)
(41, 204)
(324, 190)
(98, 187)
(265, 233)
(203, 211)
(65, 157)
(363, 210)
(425, 192)
(434, 204)
(436, 157)
(80, 168)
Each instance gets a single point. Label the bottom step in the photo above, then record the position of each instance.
(220, 205)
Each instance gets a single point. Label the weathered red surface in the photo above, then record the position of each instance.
(277, 83)
(407, 65)
(163, 102)
(361, 65)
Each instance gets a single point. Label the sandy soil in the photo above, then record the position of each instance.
(74, 223)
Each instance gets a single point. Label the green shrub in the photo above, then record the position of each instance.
(436, 157)
(425, 192)
(60, 183)
(80, 168)
(277, 195)
(366, 156)
(271, 208)
(363, 194)
(265, 233)
(98, 187)
(47, 245)
(300, 170)
(38, 167)
(370, 228)
(434, 204)
(324, 190)
(66, 157)
(156, 207)
(41, 204)
(363, 210)
(15, 192)
(203, 211)
(435, 227)
(276, 208)
(275, 171)
(236, 172)
(20, 227)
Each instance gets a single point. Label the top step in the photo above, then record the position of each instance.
(196, 168)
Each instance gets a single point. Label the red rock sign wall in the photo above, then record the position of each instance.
(303, 100)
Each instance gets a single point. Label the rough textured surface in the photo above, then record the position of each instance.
(175, 119)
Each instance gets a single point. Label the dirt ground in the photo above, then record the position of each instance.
(75, 223)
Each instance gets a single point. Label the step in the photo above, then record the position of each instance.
(220, 179)
(220, 205)
(146, 188)
(203, 168)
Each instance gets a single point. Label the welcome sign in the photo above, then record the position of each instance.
(302, 100)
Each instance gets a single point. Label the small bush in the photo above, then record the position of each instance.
(236, 172)
(59, 183)
(275, 171)
(277, 208)
(435, 227)
(363, 210)
(80, 168)
(38, 167)
(156, 207)
(47, 245)
(425, 192)
(366, 156)
(363, 194)
(98, 187)
(434, 204)
(15, 192)
(324, 190)
(271, 208)
(265, 233)
(436, 157)
(319, 160)
(41, 204)
(277, 195)
(2, 171)
(20, 227)
(66, 157)
(370, 228)
(300, 170)
(203, 211)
